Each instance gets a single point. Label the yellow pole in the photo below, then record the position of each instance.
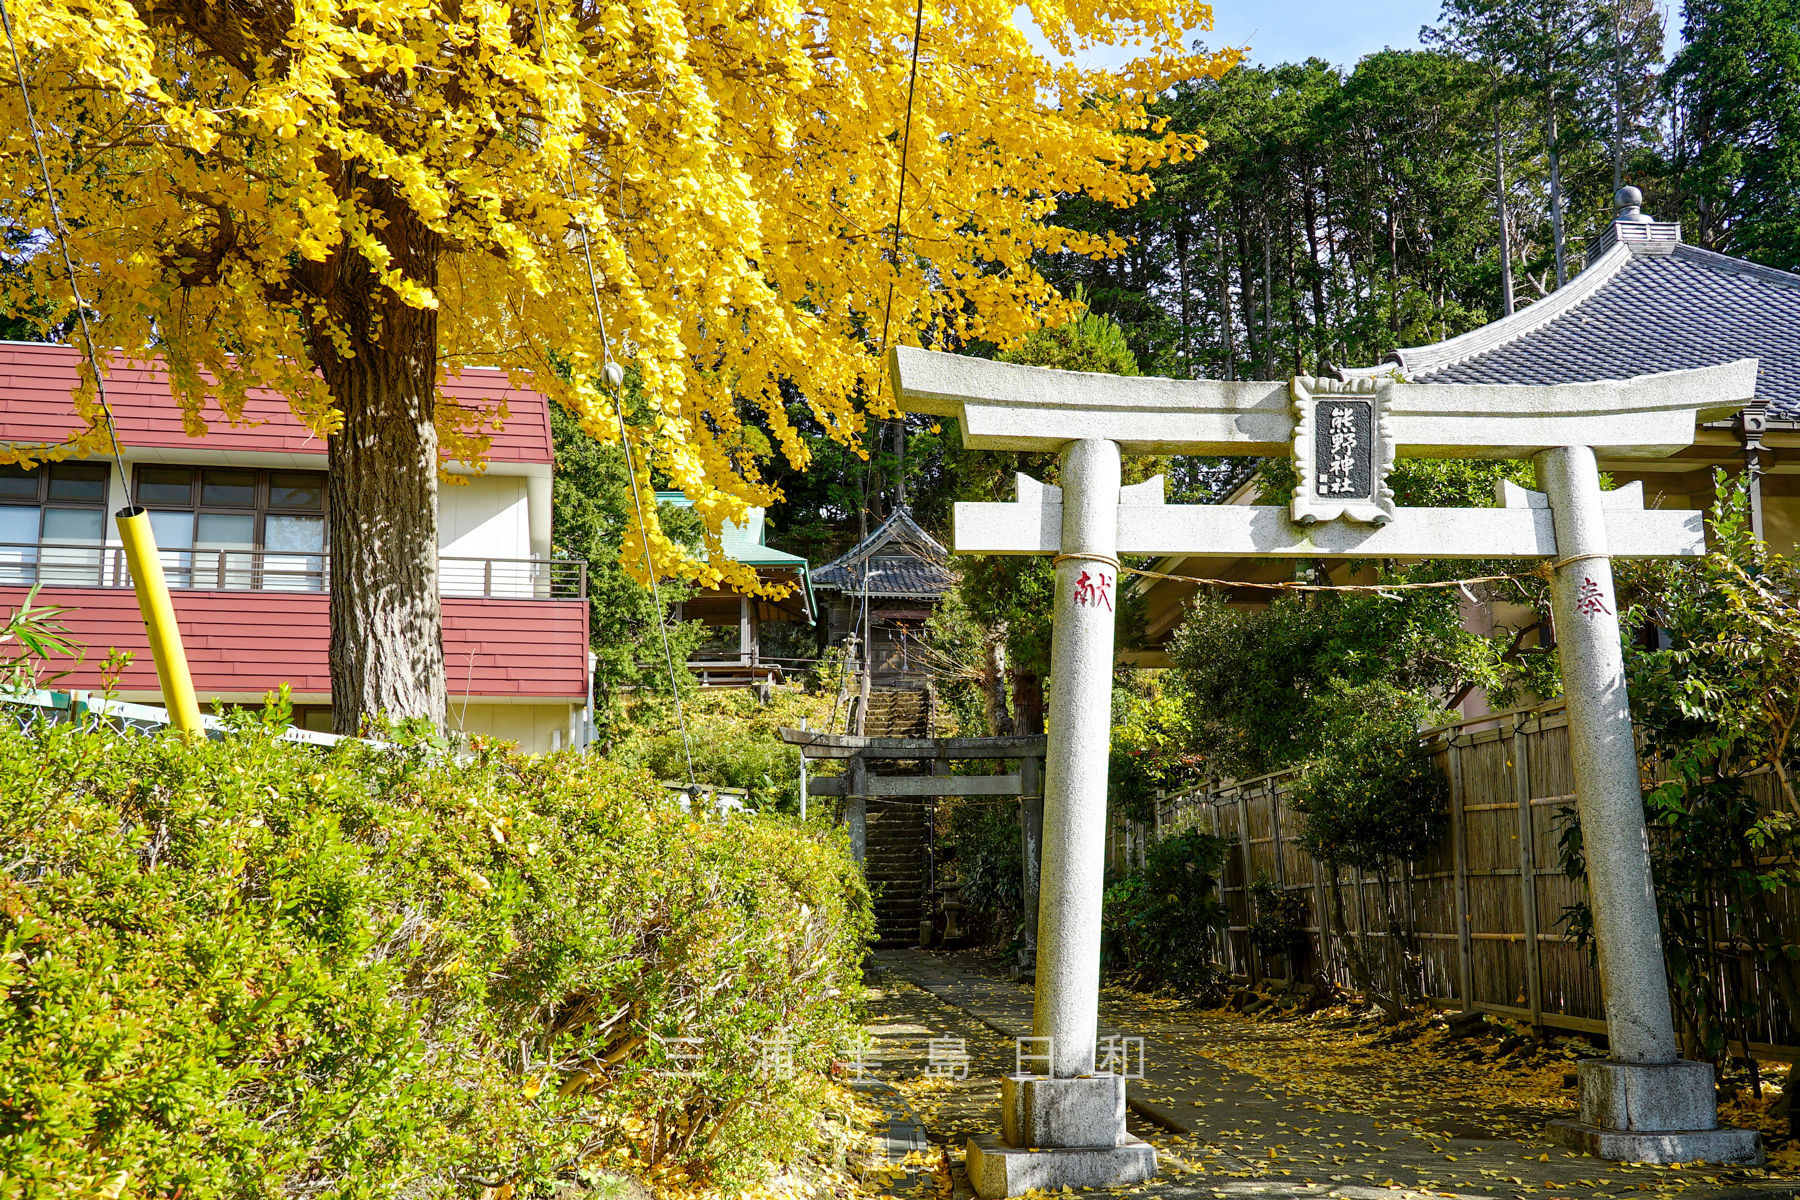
(159, 619)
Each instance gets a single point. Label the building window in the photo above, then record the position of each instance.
(237, 527)
(52, 523)
(315, 718)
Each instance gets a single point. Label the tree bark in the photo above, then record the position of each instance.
(993, 682)
(1314, 270)
(1556, 197)
(1247, 296)
(387, 650)
(1506, 279)
(1181, 259)
(1393, 241)
(900, 463)
(1028, 703)
(1268, 303)
(1225, 333)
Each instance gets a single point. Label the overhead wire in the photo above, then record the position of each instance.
(616, 385)
(912, 84)
(612, 377)
(1545, 570)
(62, 244)
(887, 317)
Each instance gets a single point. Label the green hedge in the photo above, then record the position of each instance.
(247, 968)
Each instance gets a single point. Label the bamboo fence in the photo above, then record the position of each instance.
(1483, 911)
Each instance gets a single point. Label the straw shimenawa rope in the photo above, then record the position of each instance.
(1544, 571)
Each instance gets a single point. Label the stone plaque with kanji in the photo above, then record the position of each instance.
(1342, 451)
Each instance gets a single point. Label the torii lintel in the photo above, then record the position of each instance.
(1521, 527)
(1008, 406)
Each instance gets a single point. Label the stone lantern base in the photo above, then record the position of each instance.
(997, 1170)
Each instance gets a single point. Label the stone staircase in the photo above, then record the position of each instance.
(896, 863)
(895, 868)
(900, 713)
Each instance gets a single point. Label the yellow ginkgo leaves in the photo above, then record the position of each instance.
(344, 200)
(234, 173)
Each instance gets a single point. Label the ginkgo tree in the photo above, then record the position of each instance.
(348, 200)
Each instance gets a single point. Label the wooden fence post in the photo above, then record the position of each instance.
(1521, 758)
(1275, 801)
(1111, 829)
(1321, 905)
(1465, 947)
(1275, 829)
(1252, 956)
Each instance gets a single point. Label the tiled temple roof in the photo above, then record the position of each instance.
(1647, 303)
(908, 562)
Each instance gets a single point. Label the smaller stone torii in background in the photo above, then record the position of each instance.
(1066, 1125)
(858, 785)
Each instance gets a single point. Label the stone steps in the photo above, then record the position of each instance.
(898, 713)
(894, 863)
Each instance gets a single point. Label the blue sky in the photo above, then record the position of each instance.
(1339, 31)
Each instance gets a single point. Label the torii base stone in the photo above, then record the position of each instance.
(1064, 1126)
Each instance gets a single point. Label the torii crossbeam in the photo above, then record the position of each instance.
(1065, 1127)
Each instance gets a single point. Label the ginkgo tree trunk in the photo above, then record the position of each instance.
(346, 201)
(387, 653)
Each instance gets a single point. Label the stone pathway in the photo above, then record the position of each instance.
(905, 1159)
(1224, 1133)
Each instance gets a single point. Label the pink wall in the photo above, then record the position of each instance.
(252, 641)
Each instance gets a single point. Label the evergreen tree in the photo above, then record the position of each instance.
(1328, 221)
(1630, 48)
(1736, 84)
(592, 509)
(1549, 51)
(1008, 597)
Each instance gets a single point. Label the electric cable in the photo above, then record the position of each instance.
(62, 245)
(613, 376)
(887, 316)
(1545, 570)
(912, 83)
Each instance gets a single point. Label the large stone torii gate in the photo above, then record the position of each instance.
(1065, 1126)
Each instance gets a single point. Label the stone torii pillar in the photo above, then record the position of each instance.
(1063, 1123)
(1643, 1102)
(1072, 870)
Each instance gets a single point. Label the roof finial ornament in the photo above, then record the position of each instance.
(1626, 208)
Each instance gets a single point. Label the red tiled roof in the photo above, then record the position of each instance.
(36, 381)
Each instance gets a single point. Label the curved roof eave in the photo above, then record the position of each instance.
(1420, 360)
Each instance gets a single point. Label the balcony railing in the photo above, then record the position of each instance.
(23, 565)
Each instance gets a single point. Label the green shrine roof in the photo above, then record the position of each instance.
(744, 543)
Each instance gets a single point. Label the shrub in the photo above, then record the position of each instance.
(245, 968)
(1371, 797)
(732, 740)
(989, 863)
(1160, 924)
(1280, 924)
